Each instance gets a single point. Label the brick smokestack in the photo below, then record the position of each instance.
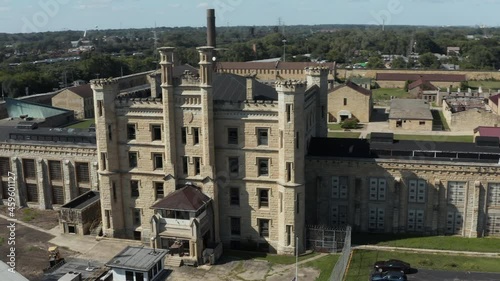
(211, 33)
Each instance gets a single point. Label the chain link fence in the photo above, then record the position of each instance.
(340, 268)
(326, 239)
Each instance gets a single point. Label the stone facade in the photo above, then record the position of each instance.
(410, 125)
(404, 196)
(349, 101)
(264, 188)
(46, 175)
(469, 119)
(83, 107)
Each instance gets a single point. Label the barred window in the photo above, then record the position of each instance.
(32, 192)
(29, 168)
(57, 195)
(82, 172)
(4, 166)
(55, 171)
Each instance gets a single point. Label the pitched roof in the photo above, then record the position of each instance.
(83, 91)
(188, 198)
(415, 76)
(231, 87)
(424, 84)
(495, 98)
(355, 87)
(488, 131)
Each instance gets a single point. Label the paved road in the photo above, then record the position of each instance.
(435, 275)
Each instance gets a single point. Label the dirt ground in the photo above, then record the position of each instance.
(31, 245)
(46, 219)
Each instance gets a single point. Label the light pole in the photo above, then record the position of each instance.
(284, 49)
(297, 258)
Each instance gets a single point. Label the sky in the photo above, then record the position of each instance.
(56, 15)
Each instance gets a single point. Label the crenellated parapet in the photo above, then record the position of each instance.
(290, 85)
(103, 82)
(317, 71)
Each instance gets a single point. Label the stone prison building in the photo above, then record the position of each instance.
(192, 160)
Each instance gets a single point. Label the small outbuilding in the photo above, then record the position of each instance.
(81, 215)
(410, 114)
(138, 264)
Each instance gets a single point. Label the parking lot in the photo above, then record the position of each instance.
(436, 275)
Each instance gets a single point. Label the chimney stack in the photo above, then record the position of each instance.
(211, 33)
(250, 82)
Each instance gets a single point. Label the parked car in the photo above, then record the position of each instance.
(388, 276)
(392, 265)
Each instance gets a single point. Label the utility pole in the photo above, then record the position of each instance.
(284, 50)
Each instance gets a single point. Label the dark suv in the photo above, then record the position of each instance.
(392, 265)
(388, 276)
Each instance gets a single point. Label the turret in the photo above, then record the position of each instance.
(319, 76)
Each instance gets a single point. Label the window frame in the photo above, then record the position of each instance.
(157, 165)
(263, 200)
(232, 139)
(235, 229)
(260, 172)
(156, 135)
(134, 188)
(263, 140)
(234, 196)
(264, 231)
(130, 158)
(129, 133)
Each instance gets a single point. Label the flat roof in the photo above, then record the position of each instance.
(10, 276)
(82, 201)
(137, 258)
(59, 136)
(410, 109)
(404, 149)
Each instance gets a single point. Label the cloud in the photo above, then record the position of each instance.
(4, 9)
(202, 5)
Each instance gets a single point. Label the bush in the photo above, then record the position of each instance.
(351, 123)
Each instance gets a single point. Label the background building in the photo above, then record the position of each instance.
(350, 101)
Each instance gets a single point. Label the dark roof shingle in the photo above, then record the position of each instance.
(188, 198)
(495, 98)
(83, 91)
(355, 87)
(417, 76)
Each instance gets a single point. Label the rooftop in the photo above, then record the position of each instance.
(463, 103)
(416, 76)
(56, 136)
(424, 84)
(17, 108)
(495, 98)
(188, 198)
(355, 87)
(83, 91)
(404, 149)
(10, 276)
(488, 131)
(279, 65)
(137, 258)
(82, 201)
(410, 109)
(231, 87)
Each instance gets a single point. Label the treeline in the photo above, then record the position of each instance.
(479, 49)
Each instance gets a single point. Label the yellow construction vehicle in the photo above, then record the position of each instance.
(54, 256)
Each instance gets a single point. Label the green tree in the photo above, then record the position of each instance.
(428, 60)
(399, 63)
(375, 62)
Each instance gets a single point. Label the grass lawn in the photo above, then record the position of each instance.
(452, 243)
(324, 265)
(386, 93)
(1, 240)
(344, 135)
(273, 259)
(29, 215)
(485, 84)
(82, 124)
(335, 126)
(362, 263)
(438, 138)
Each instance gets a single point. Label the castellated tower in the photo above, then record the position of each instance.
(166, 63)
(105, 91)
(291, 183)
(319, 76)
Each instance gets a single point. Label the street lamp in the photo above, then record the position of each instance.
(284, 49)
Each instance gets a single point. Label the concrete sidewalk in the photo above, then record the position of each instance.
(431, 251)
